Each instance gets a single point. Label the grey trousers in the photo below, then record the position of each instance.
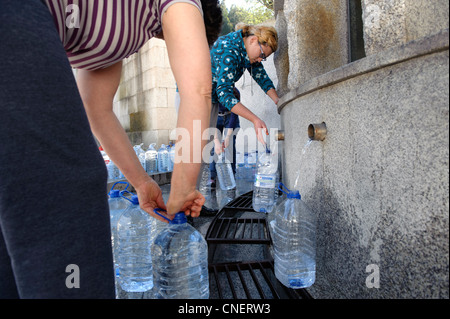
(55, 239)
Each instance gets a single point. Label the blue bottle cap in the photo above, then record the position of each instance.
(180, 218)
(294, 194)
(134, 200)
(114, 193)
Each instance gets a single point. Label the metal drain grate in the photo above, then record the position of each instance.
(238, 234)
(239, 230)
(249, 280)
(241, 203)
(227, 228)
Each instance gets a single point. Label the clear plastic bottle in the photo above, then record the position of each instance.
(171, 149)
(113, 171)
(140, 153)
(180, 262)
(151, 159)
(265, 183)
(163, 159)
(134, 232)
(225, 173)
(205, 189)
(117, 205)
(293, 232)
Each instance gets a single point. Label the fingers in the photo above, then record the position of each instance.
(260, 137)
(161, 212)
(160, 202)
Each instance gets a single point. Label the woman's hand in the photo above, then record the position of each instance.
(218, 147)
(190, 202)
(150, 197)
(226, 141)
(260, 126)
(261, 129)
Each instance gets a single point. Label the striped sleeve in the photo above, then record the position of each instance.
(97, 34)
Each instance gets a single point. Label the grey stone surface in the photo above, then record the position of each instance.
(316, 35)
(396, 22)
(379, 181)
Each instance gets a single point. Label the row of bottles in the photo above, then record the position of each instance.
(161, 160)
(152, 160)
(149, 255)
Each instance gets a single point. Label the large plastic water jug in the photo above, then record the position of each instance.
(117, 205)
(134, 232)
(180, 261)
(293, 230)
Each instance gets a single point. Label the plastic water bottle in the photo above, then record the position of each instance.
(265, 182)
(163, 159)
(180, 262)
(225, 173)
(294, 241)
(134, 232)
(171, 156)
(117, 205)
(251, 166)
(151, 159)
(140, 154)
(224, 197)
(205, 189)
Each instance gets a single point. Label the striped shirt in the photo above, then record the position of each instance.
(100, 33)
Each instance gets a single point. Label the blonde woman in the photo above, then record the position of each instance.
(236, 52)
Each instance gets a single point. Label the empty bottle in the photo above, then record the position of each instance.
(225, 173)
(134, 232)
(180, 261)
(265, 182)
(151, 159)
(113, 171)
(117, 205)
(171, 149)
(293, 230)
(140, 154)
(251, 162)
(204, 187)
(163, 159)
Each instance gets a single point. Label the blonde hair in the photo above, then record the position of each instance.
(266, 35)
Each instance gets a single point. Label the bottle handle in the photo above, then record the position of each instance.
(126, 191)
(156, 210)
(280, 185)
(120, 182)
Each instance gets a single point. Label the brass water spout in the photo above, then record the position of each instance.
(279, 135)
(317, 132)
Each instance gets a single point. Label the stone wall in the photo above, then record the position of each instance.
(144, 102)
(379, 181)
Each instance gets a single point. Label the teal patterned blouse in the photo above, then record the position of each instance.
(229, 60)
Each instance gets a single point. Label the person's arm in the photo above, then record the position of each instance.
(97, 89)
(273, 95)
(229, 129)
(187, 47)
(260, 126)
(218, 147)
(261, 77)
